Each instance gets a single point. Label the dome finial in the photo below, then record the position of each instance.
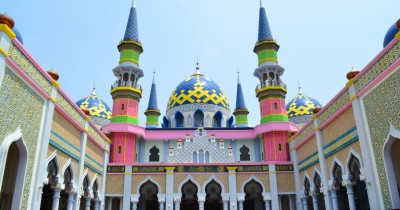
(154, 75)
(261, 4)
(94, 88)
(238, 81)
(133, 3)
(197, 67)
(299, 86)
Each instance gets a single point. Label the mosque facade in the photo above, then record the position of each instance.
(60, 154)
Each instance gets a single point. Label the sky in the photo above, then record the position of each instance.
(320, 42)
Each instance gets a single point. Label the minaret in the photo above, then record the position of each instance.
(152, 113)
(241, 111)
(126, 92)
(271, 91)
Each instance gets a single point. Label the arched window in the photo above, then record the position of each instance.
(201, 156)
(165, 122)
(207, 157)
(179, 120)
(341, 190)
(194, 157)
(68, 176)
(198, 118)
(126, 77)
(154, 154)
(244, 153)
(217, 120)
(95, 189)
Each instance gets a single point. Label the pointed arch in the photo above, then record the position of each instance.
(18, 140)
(305, 179)
(353, 153)
(198, 118)
(179, 120)
(148, 179)
(334, 162)
(186, 180)
(53, 157)
(67, 166)
(393, 136)
(217, 120)
(256, 180)
(213, 177)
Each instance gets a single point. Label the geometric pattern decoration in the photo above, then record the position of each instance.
(22, 108)
(301, 105)
(95, 105)
(381, 110)
(285, 182)
(198, 89)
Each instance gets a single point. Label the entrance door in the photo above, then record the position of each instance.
(189, 196)
(253, 199)
(148, 199)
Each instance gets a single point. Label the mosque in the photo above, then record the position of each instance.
(56, 153)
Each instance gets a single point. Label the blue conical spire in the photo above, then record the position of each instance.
(132, 32)
(264, 31)
(240, 104)
(153, 96)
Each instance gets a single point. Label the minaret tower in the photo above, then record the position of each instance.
(241, 111)
(271, 91)
(126, 92)
(152, 112)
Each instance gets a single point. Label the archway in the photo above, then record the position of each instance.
(342, 199)
(148, 199)
(189, 196)
(213, 196)
(179, 119)
(95, 189)
(48, 192)
(317, 191)
(68, 177)
(360, 188)
(217, 120)
(391, 156)
(9, 177)
(198, 118)
(307, 187)
(85, 187)
(253, 198)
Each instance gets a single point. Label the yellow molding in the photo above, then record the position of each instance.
(53, 99)
(87, 118)
(350, 82)
(169, 168)
(314, 116)
(268, 59)
(271, 88)
(108, 140)
(127, 88)
(272, 172)
(291, 149)
(108, 151)
(316, 128)
(56, 84)
(231, 168)
(128, 60)
(170, 172)
(7, 30)
(128, 173)
(3, 52)
(291, 139)
(353, 97)
(398, 35)
(86, 131)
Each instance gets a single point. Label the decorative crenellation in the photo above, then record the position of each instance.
(23, 109)
(381, 110)
(378, 67)
(29, 68)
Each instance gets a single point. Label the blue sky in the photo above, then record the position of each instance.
(320, 42)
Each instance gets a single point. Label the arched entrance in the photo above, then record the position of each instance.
(253, 199)
(68, 187)
(47, 192)
(148, 199)
(285, 202)
(342, 199)
(360, 188)
(95, 189)
(307, 187)
(13, 159)
(189, 196)
(320, 195)
(213, 196)
(391, 156)
(85, 187)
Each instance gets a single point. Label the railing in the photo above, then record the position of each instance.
(126, 84)
(270, 83)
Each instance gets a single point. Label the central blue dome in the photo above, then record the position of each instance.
(198, 89)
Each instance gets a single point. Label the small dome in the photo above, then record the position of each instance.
(100, 112)
(18, 35)
(391, 33)
(198, 89)
(300, 108)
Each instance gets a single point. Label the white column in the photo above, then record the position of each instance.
(109, 205)
(87, 203)
(240, 204)
(134, 205)
(56, 198)
(201, 205)
(201, 199)
(97, 205)
(305, 204)
(161, 204)
(81, 164)
(225, 201)
(177, 203)
(267, 205)
(334, 199)
(315, 201)
(350, 196)
(126, 200)
(232, 186)
(70, 201)
(273, 187)
(169, 194)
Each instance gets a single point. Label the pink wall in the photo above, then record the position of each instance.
(267, 106)
(130, 107)
(127, 142)
(271, 146)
